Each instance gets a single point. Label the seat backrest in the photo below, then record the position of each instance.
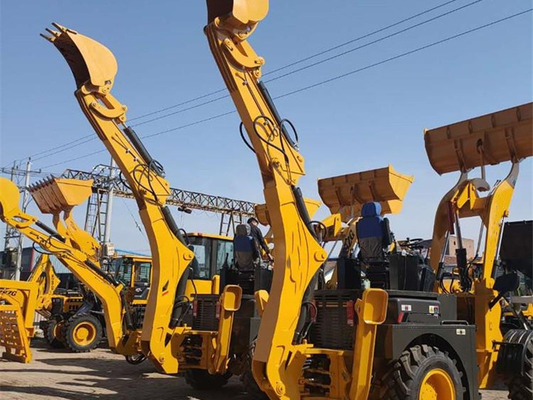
(244, 248)
(371, 230)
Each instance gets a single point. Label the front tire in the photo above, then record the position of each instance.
(422, 372)
(521, 386)
(52, 334)
(82, 333)
(200, 379)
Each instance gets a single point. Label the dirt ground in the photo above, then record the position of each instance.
(60, 374)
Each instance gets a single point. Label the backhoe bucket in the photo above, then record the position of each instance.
(245, 12)
(9, 198)
(54, 195)
(490, 139)
(346, 194)
(89, 60)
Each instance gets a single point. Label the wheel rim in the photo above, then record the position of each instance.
(56, 331)
(437, 385)
(84, 333)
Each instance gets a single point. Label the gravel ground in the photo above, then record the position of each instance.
(60, 374)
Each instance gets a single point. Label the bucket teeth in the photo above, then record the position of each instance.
(54, 195)
(89, 61)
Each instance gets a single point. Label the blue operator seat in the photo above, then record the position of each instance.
(373, 233)
(245, 250)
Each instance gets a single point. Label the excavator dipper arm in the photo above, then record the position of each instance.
(94, 68)
(278, 358)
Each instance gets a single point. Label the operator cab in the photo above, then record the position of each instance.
(135, 273)
(248, 270)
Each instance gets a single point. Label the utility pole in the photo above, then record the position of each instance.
(107, 230)
(14, 241)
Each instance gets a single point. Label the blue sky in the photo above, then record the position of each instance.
(366, 120)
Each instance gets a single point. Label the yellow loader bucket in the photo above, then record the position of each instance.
(261, 211)
(89, 60)
(9, 198)
(346, 194)
(490, 139)
(54, 195)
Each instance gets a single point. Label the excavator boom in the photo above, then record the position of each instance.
(297, 253)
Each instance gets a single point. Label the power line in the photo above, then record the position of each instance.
(67, 146)
(323, 82)
(149, 136)
(303, 59)
(373, 42)
(316, 63)
(403, 54)
(90, 138)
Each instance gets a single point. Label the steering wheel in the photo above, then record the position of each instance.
(410, 242)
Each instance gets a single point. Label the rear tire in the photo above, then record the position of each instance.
(82, 333)
(521, 387)
(422, 372)
(250, 385)
(200, 379)
(52, 334)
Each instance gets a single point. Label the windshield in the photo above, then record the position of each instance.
(209, 255)
(122, 268)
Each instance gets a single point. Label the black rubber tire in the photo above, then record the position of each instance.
(521, 387)
(404, 378)
(68, 331)
(251, 387)
(200, 379)
(49, 330)
(136, 359)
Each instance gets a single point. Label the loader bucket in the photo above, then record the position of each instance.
(346, 194)
(9, 198)
(489, 139)
(245, 12)
(54, 195)
(261, 211)
(89, 60)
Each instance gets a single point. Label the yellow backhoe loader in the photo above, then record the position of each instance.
(79, 252)
(476, 143)
(114, 302)
(18, 303)
(398, 339)
(170, 339)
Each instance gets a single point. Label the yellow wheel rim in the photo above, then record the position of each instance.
(437, 385)
(84, 333)
(57, 330)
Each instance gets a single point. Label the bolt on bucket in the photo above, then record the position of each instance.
(487, 140)
(89, 60)
(55, 195)
(346, 194)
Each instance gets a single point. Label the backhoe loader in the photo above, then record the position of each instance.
(397, 339)
(113, 301)
(79, 252)
(476, 143)
(169, 338)
(18, 303)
